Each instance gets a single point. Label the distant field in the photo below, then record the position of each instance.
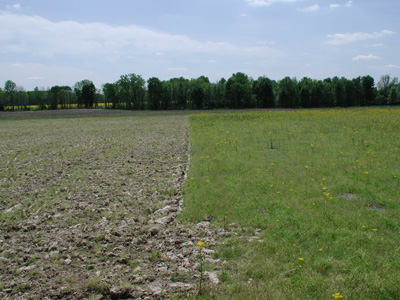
(309, 199)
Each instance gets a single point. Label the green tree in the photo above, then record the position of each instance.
(305, 86)
(59, 95)
(166, 95)
(317, 94)
(131, 89)
(85, 93)
(21, 98)
(385, 84)
(393, 96)
(350, 93)
(88, 94)
(368, 90)
(37, 97)
(179, 93)
(2, 100)
(10, 89)
(219, 100)
(238, 91)
(201, 93)
(154, 93)
(338, 92)
(287, 93)
(264, 93)
(110, 94)
(358, 91)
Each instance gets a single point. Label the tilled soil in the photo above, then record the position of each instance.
(88, 210)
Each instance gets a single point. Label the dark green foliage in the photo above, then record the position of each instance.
(85, 93)
(264, 92)
(154, 93)
(369, 91)
(238, 91)
(131, 91)
(287, 93)
(9, 88)
(110, 94)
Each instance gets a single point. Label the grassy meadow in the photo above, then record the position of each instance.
(311, 199)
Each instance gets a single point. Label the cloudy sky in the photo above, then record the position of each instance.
(47, 42)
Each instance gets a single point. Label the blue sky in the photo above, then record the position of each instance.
(47, 42)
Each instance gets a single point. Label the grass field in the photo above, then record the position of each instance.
(312, 198)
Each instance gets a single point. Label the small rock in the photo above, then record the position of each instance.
(154, 231)
(212, 276)
(28, 268)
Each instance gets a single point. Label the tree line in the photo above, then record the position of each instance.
(132, 92)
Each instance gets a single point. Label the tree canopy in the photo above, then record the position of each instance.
(131, 91)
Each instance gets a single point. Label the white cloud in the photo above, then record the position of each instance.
(349, 3)
(344, 38)
(14, 6)
(365, 57)
(334, 5)
(391, 66)
(43, 38)
(311, 8)
(266, 2)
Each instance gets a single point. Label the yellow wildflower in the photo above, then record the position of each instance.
(337, 296)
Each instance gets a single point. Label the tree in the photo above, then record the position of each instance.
(368, 90)
(179, 93)
(358, 92)
(219, 100)
(264, 93)
(2, 100)
(84, 99)
(385, 84)
(130, 88)
(350, 93)
(88, 94)
(238, 91)
(9, 88)
(197, 97)
(201, 93)
(338, 92)
(305, 86)
(110, 94)
(287, 93)
(21, 98)
(154, 93)
(59, 95)
(393, 96)
(37, 97)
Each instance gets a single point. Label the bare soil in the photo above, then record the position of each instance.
(88, 208)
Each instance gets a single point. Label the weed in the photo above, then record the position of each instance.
(95, 284)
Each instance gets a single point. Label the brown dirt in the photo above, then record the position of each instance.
(88, 209)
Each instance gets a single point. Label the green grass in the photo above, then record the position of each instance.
(323, 188)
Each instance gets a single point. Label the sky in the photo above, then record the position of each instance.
(51, 42)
